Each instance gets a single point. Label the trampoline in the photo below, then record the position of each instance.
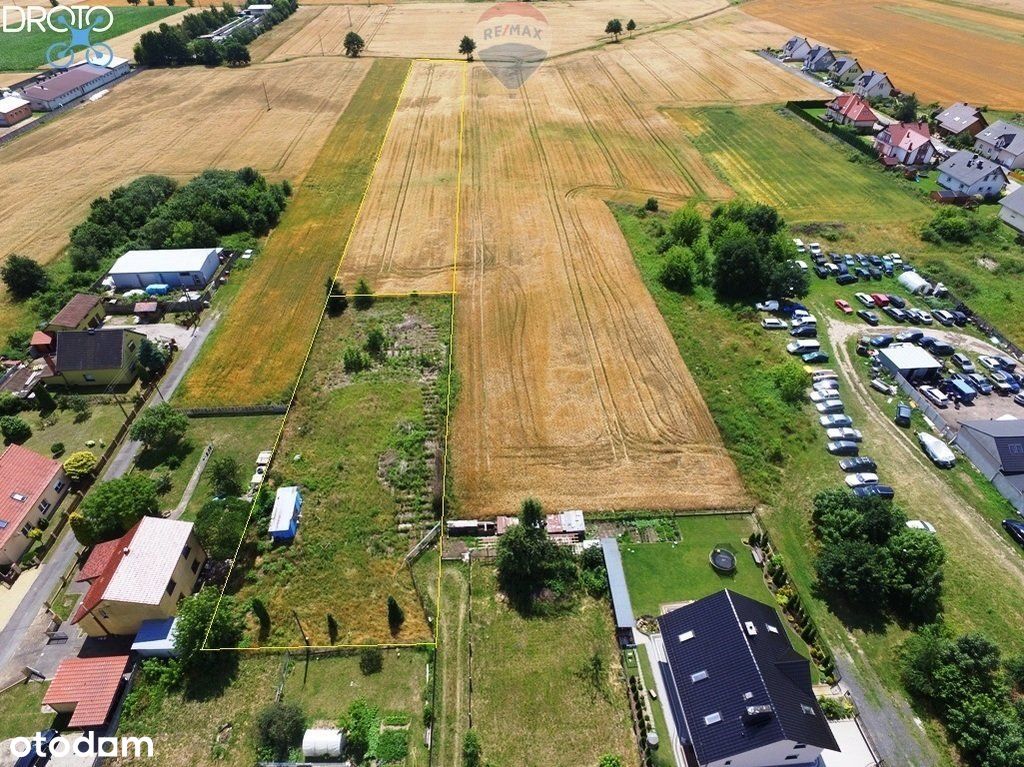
(723, 560)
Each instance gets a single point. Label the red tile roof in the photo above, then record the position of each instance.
(75, 311)
(27, 475)
(853, 107)
(39, 338)
(909, 136)
(108, 556)
(91, 685)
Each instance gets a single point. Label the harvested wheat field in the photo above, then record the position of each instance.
(404, 238)
(958, 53)
(434, 29)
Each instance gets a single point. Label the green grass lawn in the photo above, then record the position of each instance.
(99, 426)
(26, 50)
(20, 714)
(185, 730)
(346, 436)
(327, 687)
(532, 704)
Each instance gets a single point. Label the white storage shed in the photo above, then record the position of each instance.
(321, 743)
(186, 268)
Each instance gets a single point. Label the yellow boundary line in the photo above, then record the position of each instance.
(309, 351)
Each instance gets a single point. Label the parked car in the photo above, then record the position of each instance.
(934, 396)
(881, 300)
(936, 347)
(844, 306)
(802, 346)
(963, 362)
(875, 491)
(830, 406)
(865, 299)
(881, 342)
(822, 271)
(846, 279)
(1000, 377)
(767, 306)
(863, 478)
(886, 388)
(1019, 399)
(920, 524)
(842, 447)
(959, 390)
(903, 414)
(837, 420)
(824, 395)
(854, 465)
(799, 245)
(897, 314)
(815, 249)
(1015, 529)
(911, 336)
(896, 301)
(844, 433)
(875, 272)
(773, 323)
(912, 314)
(924, 317)
(814, 358)
(959, 318)
(801, 318)
(944, 318)
(869, 317)
(989, 362)
(804, 331)
(828, 385)
(937, 450)
(821, 375)
(979, 382)
(1009, 364)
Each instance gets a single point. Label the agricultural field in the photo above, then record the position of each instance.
(149, 124)
(283, 294)
(365, 448)
(533, 677)
(977, 53)
(26, 50)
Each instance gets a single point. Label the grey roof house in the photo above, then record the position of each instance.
(819, 59)
(795, 49)
(743, 694)
(1012, 209)
(960, 118)
(969, 174)
(845, 70)
(873, 85)
(1003, 142)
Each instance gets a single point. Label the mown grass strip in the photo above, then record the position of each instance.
(254, 356)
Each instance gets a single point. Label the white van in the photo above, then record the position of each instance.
(803, 346)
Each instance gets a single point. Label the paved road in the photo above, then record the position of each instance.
(799, 73)
(12, 637)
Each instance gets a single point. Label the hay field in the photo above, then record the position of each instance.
(952, 56)
(433, 30)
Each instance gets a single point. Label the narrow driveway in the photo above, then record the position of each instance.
(656, 653)
(13, 637)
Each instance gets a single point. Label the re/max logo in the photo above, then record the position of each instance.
(62, 18)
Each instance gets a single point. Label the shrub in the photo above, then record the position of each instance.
(651, 204)
(371, 661)
(23, 277)
(225, 476)
(354, 360)
(57, 449)
(80, 464)
(363, 298)
(677, 273)
(280, 727)
(392, 746)
(14, 429)
(956, 225)
(220, 526)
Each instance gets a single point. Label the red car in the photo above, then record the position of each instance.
(844, 307)
(881, 300)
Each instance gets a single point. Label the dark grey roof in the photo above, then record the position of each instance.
(1007, 438)
(818, 53)
(968, 167)
(958, 117)
(842, 65)
(742, 646)
(1004, 136)
(1014, 201)
(617, 584)
(90, 350)
(871, 77)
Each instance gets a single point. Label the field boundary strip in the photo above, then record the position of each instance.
(309, 351)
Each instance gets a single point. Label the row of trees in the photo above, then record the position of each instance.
(870, 558)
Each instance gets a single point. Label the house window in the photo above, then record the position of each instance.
(59, 486)
(800, 745)
(131, 346)
(104, 614)
(186, 551)
(25, 530)
(44, 506)
(713, 718)
(807, 709)
(195, 566)
(792, 756)
(699, 676)
(171, 586)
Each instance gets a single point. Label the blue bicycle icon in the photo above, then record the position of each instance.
(62, 55)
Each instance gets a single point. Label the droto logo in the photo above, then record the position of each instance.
(79, 21)
(513, 41)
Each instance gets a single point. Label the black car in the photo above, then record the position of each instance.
(903, 413)
(32, 759)
(896, 314)
(863, 273)
(896, 301)
(937, 347)
(874, 491)
(846, 279)
(959, 318)
(843, 447)
(911, 336)
(857, 465)
(1015, 529)
(821, 271)
(869, 317)
(804, 331)
(875, 272)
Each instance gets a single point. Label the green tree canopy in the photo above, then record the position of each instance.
(80, 464)
(353, 44)
(14, 429)
(466, 47)
(225, 475)
(613, 28)
(23, 277)
(160, 427)
(279, 728)
(207, 612)
(529, 562)
(111, 508)
(220, 526)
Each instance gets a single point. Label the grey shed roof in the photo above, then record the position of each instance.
(1014, 201)
(909, 357)
(968, 167)
(727, 654)
(617, 584)
(958, 117)
(1004, 136)
(1007, 439)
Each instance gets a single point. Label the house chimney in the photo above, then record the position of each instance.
(126, 551)
(755, 715)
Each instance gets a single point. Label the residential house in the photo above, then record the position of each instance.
(969, 174)
(851, 110)
(819, 59)
(284, 519)
(960, 118)
(87, 688)
(905, 144)
(1003, 142)
(101, 357)
(139, 577)
(31, 489)
(1012, 209)
(743, 695)
(80, 313)
(845, 70)
(795, 49)
(873, 85)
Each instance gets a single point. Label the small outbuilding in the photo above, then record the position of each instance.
(82, 312)
(911, 362)
(155, 638)
(915, 284)
(183, 268)
(622, 607)
(284, 520)
(323, 743)
(86, 688)
(13, 109)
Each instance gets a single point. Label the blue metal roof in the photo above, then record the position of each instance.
(617, 584)
(155, 636)
(742, 647)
